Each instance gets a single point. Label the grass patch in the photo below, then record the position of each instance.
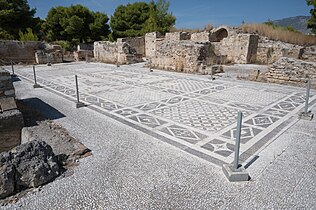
(280, 34)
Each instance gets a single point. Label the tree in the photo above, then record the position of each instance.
(139, 18)
(28, 35)
(165, 20)
(15, 16)
(312, 20)
(129, 20)
(75, 24)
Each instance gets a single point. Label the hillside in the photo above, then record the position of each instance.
(298, 22)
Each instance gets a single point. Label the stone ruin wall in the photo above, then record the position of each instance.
(11, 120)
(239, 48)
(291, 71)
(184, 56)
(51, 54)
(115, 53)
(138, 43)
(150, 43)
(270, 51)
(177, 36)
(309, 53)
(29, 52)
(204, 36)
(17, 51)
(84, 52)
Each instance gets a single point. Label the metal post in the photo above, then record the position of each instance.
(12, 67)
(35, 82)
(237, 143)
(78, 103)
(308, 89)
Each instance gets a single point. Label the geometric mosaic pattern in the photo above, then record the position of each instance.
(246, 134)
(219, 147)
(184, 134)
(193, 113)
(199, 114)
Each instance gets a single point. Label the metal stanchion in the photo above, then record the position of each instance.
(234, 172)
(237, 143)
(12, 67)
(307, 115)
(35, 82)
(78, 103)
(308, 90)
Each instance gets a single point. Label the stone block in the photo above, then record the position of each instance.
(233, 175)
(11, 123)
(7, 104)
(306, 116)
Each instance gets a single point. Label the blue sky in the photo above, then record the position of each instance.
(198, 13)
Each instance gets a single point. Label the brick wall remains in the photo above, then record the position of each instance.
(291, 71)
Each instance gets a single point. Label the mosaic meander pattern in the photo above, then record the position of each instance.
(191, 112)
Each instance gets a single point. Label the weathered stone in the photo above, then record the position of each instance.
(291, 71)
(269, 51)
(83, 55)
(7, 103)
(35, 163)
(204, 36)
(184, 56)
(177, 36)
(150, 43)
(17, 51)
(239, 48)
(26, 166)
(309, 53)
(7, 180)
(116, 52)
(138, 43)
(44, 56)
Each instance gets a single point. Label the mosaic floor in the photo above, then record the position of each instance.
(191, 112)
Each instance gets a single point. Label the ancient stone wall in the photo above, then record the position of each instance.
(138, 43)
(150, 43)
(115, 52)
(83, 55)
(105, 51)
(270, 51)
(218, 34)
(204, 36)
(85, 46)
(309, 53)
(184, 56)
(17, 51)
(11, 120)
(239, 48)
(177, 36)
(291, 71)
(42, 57)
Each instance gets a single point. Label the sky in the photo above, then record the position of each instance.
(198, 13)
